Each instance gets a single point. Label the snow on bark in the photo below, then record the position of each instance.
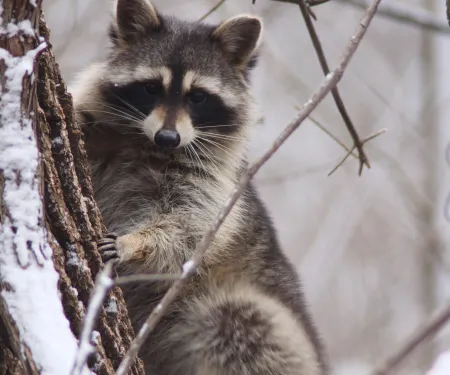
(26, 268)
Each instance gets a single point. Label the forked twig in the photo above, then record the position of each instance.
(335, 91)
(331, 135)
(329, 82)
(426, 332)
(350, 152)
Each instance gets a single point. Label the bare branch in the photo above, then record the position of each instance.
(331, 135)
(408, 14)
(350, 152)
(426, 332)
(103, 284)
(335, 91)
(212, 10)
(145, 278)
(329, 82)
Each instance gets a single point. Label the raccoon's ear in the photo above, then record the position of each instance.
(134, 18)
(240, 37)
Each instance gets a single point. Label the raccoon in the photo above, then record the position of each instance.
(167, 119)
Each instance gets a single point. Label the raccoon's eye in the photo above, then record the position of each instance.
(153, 88)
(197, 96)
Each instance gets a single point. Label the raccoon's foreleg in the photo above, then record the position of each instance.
(160, 246)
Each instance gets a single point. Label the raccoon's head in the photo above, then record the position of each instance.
(182, 85)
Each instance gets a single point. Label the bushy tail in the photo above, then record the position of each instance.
(239, 331)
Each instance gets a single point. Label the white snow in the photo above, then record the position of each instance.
(442, 365)
(102, 285)
(23, 26)
(31, 295)
(112, 308)
(95, 337)
(187, 267)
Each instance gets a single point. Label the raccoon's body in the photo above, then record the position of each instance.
(167, 118)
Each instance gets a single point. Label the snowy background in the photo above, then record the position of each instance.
(373, 251)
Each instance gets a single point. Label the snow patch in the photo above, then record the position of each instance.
(187, 267)
(111, 307)
(23, 27)
(58, 141)
(95, 337)
(32, 296)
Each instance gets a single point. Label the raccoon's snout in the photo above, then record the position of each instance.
(166, 138)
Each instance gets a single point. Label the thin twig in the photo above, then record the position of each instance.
(426, 332)
(335, 91)
(319, 94)
(103, 283)
(342, 161)
(211, 11)
(332, 136)
(405, 13)
(408, 14)
(145, 278)
(350, 152)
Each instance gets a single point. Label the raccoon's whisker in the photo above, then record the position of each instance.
(195, 164)
(189, 155)
(199, 160)
(135, 113)
(108, 123)
(120, 110)
(218, 145)
(132, 107)
(219, 136)
(208, 154)
(118, 115)
(218, 126)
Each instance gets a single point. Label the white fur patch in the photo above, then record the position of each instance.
(210, 84)
(185, 128)
(154, 122)
(143, 73)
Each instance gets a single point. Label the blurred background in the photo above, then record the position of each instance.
(373, 251)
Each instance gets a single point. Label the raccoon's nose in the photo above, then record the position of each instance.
(165, 138)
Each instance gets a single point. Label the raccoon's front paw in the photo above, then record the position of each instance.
(107, 247)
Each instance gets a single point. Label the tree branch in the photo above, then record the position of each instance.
(408, 14)
(103, 284)
(335, 91)
(190, 268)
(426, 332)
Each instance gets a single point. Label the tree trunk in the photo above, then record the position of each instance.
(72, 218)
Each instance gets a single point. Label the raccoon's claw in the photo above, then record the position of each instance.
(107, 247)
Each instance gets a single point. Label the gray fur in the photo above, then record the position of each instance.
(244, 312)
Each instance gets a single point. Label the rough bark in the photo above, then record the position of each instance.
(72, 216)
